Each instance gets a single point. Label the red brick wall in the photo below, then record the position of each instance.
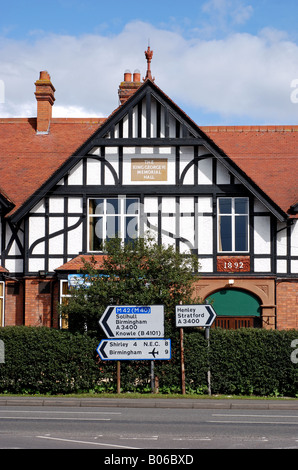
(13, 314)
(41, 309)
(287, 304)
(38, 308)
(55, 287)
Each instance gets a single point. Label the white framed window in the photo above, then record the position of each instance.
(2, 290)
(233, 223)
(64, 296)
(110, 218)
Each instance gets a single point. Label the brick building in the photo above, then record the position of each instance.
(228, 194)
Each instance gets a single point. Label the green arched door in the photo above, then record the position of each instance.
(235, 308)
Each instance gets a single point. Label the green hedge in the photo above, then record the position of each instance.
(242, 362)
(254, 361)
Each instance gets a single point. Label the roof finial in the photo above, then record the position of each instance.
(149, 55)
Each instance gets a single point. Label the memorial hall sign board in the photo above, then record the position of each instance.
(144, 169)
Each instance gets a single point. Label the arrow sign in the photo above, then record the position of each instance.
(133, 321)
(194, 315)
(134, 349)
(104, 322)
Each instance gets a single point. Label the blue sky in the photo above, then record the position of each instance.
(222, 61)
(20, 19)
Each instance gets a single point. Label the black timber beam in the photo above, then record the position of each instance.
(146, 142)
(115, 190)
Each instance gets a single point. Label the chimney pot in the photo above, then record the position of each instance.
(44, 75)
(127, 76)
(137, 76)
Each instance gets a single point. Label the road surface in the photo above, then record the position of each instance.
(133, 428)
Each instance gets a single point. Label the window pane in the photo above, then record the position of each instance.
(64, 319)
(131, 228)
(131, 206)
(225, 206)
(241, 205)
(225, 233)
(96, 206)
(113, 206)
(65, 290)
(113, 227)
(95, 233)
(241, 233)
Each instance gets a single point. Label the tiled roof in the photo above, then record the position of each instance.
(267, 154)
(77, 263)
(28, 159)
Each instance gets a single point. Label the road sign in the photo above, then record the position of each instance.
(194, 315)
(121, 321)
(134, 349)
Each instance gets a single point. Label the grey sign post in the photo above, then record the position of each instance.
(202, 315)
(2, 353)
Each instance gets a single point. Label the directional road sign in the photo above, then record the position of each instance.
(194, 315)
(134, 349)
(122, 321)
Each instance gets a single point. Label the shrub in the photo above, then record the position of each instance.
(242, 362)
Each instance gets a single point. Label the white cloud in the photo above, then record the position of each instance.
(240, 77)
(224, 14)
(74, 111)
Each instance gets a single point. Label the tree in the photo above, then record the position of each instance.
(140, 272)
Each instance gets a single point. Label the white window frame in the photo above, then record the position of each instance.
(2, 297)
(233, 216)
(63, 296)
(122, 216)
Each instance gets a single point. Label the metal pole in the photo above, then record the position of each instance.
(152, 377)
(2, 352)
(207, 336)
(118, 377)
(182, 362)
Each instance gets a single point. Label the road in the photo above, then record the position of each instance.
(130, 429)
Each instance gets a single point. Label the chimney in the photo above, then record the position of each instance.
(45, 99)
(129, 86)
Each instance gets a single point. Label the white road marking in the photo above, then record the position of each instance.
(64, 412)
(192, 439)
(252, 415)
(146, 438)
(258, 416)
(50, 418)
(84, 442)
(251, 422)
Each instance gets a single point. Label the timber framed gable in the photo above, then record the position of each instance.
(149, 119)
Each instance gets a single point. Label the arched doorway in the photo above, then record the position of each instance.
(236, 308)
